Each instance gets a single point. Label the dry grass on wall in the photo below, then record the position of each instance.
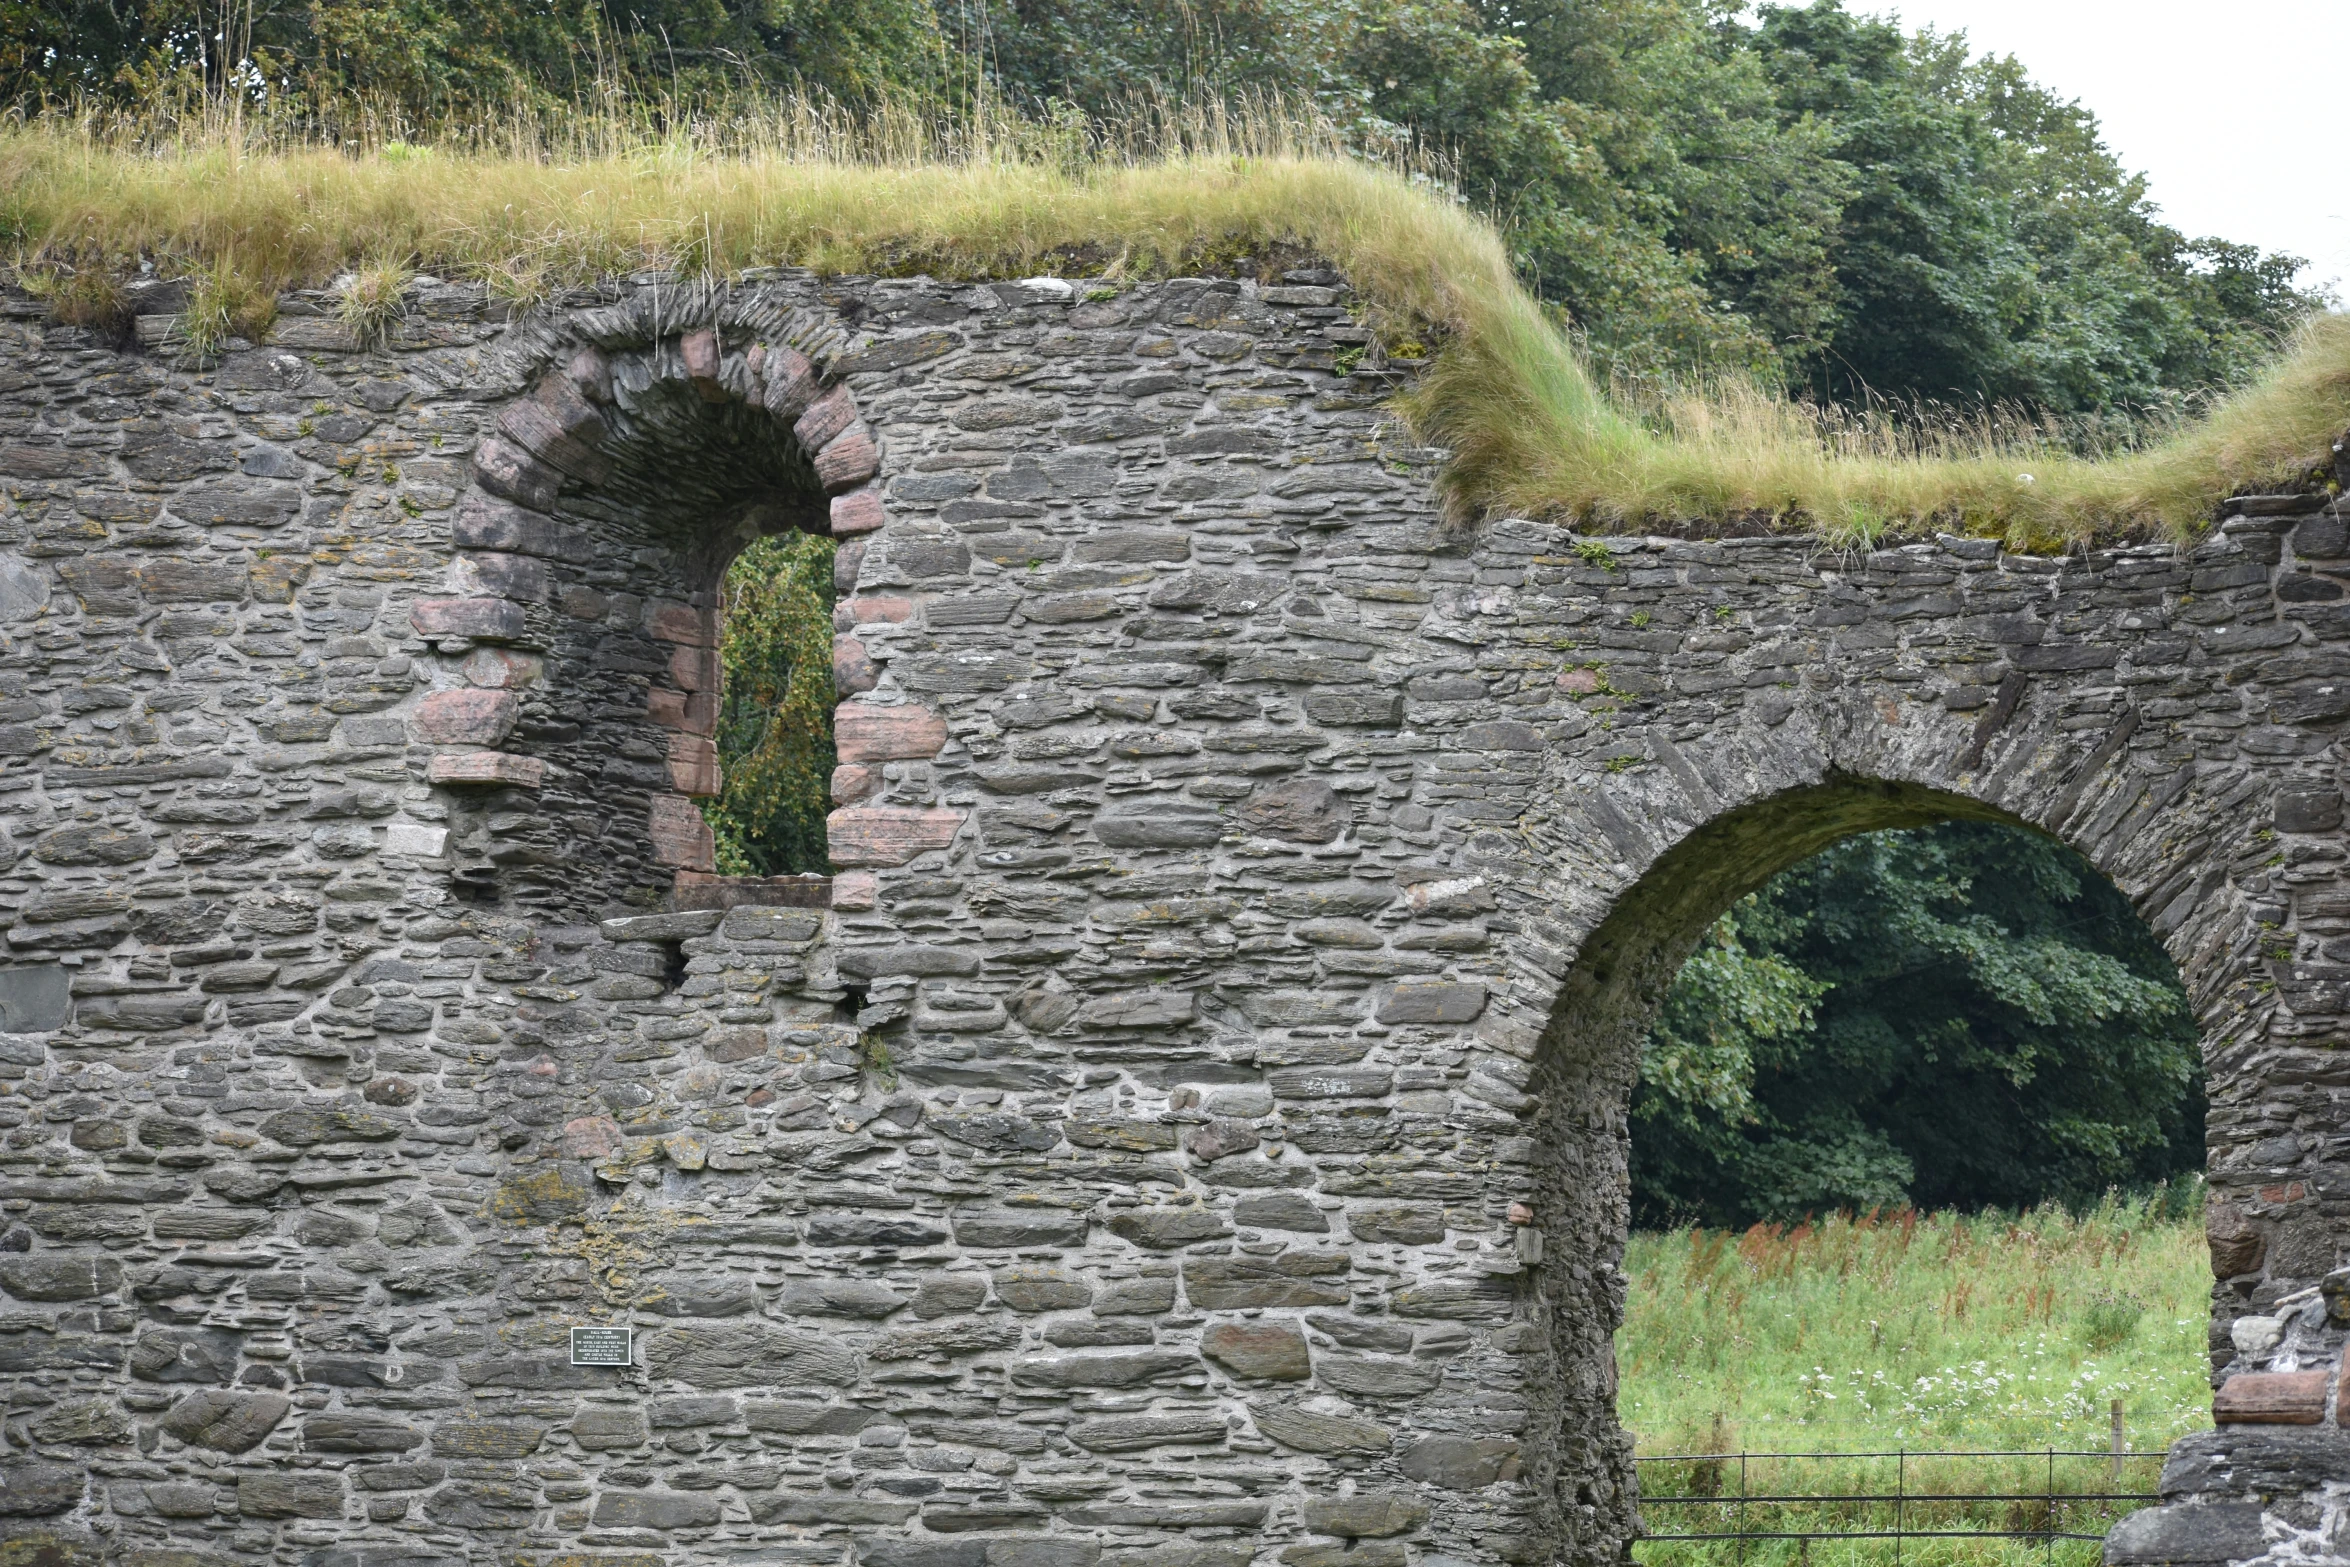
(527, 207)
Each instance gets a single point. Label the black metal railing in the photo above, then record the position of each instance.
(1746, 1492)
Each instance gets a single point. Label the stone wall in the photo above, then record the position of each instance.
(1195, 1133)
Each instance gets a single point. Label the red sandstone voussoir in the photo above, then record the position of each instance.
(591, 373)
(667, 620)
(855, 890)
(693, 764)
(506, 468)
(681, 838)
(487, 767)
(851, 458)
(888, 835)
(791, 383)
(482, 618)
(830, 414)
(531, 424)
(880, 609)
(693, 668)
(569, 407)
(484, 522)
(857, 511)
(702, 356)
(853, 669)
(472, 716)
(522, 578)
(869, 732)
(2272, 1398)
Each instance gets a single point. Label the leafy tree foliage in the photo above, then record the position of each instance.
(427, 60)
(775, 717)
(1990, 245)
(1959, 1016)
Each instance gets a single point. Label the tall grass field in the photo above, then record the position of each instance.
(1911, 1334)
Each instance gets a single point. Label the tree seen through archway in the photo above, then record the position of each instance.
(1966, 1015)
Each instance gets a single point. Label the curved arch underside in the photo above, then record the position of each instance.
(1248, 889)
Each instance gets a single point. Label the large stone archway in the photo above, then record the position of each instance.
(1248, 888)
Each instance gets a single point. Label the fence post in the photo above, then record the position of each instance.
(2120, 1446)
(1900, 1500)
(1743, 1542)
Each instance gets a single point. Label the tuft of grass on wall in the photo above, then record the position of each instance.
(372, 300)
(526, 206)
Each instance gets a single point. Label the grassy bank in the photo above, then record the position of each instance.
(1925, 1333)
(529, 206)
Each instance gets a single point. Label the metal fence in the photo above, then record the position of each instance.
(1746, 1495)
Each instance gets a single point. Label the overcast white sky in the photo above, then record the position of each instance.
(2230, 107)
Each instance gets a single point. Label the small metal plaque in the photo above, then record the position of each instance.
(603, 1346)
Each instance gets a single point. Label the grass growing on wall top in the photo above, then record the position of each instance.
(526, 206)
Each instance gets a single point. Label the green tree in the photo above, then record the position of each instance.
(1958, 1016)
(430, 60)
(775, 714)
(1990, 246)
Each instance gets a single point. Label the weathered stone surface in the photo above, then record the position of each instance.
(1349, 1553)
(655, 1510)
(1275, 1351)
(290, 1495)
(1292, 1278)
(1407, 1224)
(59, 1276)
(2186, 1536)
(1313, 1432)
(35, 998)
(1281, 1211)
(487, 767)
(38, 1490)
(1460, 1463)
(1022, 1227)
(1365, 1515)
(863, 1230)
(1168, 1229)
(1122, 1369)
(722, 1355)
(1376, 1377)
(229, 1422)
(493, 618)
(1418, 1003)
(1138, 1433)
(86, 1422)
(358, 1433)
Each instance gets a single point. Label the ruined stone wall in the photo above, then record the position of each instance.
(1195, 1133)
